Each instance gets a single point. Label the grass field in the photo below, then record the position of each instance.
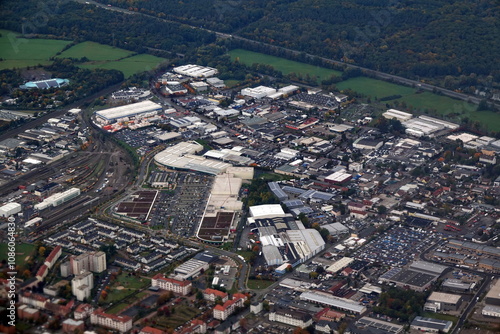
(180, 316)
(23, 52)
(95, 51)
(437, 105)
(117, 308)
(22, 250)
(258, 284)
(285, 66)
(440, 316)
(374, 88)
(128, 66)
(132, 282)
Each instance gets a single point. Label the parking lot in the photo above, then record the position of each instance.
(396, 247)
(181, 209)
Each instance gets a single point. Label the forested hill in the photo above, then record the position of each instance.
(409, 37)
(73, 21)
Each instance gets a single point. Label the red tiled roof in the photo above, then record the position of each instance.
(171, 280)
(151, 330)
(42, 270)
(119, 318)
(53, 254)
(215, 292)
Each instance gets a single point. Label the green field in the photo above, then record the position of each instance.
(374, 88)
(128, 66)
(117, 308)
(95, 51)
(285, 66)
(433, 104)
(132, 282)
(23, 52)
(22, 251)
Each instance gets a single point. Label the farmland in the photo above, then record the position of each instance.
(22, 52)
(285, 66)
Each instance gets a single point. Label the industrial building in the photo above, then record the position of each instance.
(327, 299)
(128, 112)
(397, 114)
(58, 199)
(373, 325)
(439, 301)
(338, 177)
(418, 276)
(10, 209)
(336, 229)
(367, 144)
(258, 92)
(181, 156)
(419, 127)
(431, 325)
(493, 296)
(195, 71)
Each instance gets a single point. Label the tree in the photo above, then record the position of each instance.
(381, 209)
(41, 251)
(199, 295)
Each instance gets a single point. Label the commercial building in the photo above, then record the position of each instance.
(128, 112)
(258, 92)
(339, 177)
(493, 296)
(397, 114)
(339, 265)
(367, 144)
(58, 199)
(439, 301)
(82, 284)
(431, 325)
(421, 127)
(190, 269)
(195, 71)
(10, 209)
(169, 284)
(378, 326)
(456, 285)
(121, 323)
(327, 299)
(292, 317)
(418, 276)
(491, 311)
(271, 210)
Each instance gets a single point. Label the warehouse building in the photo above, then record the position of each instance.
(137, 110)
(493, 296)
(326, 299)
(58, 199)
(10, 209)
(196, 71)
(421, 127)
(258, 92)
(181, 156)
(439, 301)
(431, 325)
(397, 114)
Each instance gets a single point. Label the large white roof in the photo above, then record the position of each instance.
(266, 210)
(128, 110)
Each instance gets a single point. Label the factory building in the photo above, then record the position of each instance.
(258, 92)
(196, 71)
(58, 199)
(10, 209)
(397, 114)
(128, 112)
